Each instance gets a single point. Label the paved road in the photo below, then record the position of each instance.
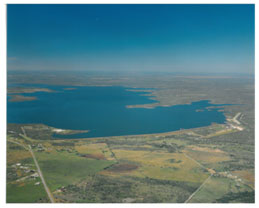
(235, 118)
(41, 176)
(38, 168)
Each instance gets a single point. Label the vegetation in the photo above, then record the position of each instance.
(26, 193)
(63, 168)
(218, 188)
(167, 167)
(243, 197)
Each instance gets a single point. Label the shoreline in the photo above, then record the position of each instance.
(147, 92)
(168, 133)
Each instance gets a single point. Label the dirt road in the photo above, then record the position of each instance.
(190, 197)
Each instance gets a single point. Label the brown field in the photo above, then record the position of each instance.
(123, 167)
(95, 156)
(205, 149)
(206, 155)
(247, 175)
(218, 133)
(15, 156)
(159, 165)
(95, 151)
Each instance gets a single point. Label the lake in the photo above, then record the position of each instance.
(102, 111)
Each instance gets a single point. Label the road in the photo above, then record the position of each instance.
(38, 168)
(10, 140)
(23, 131)
(190, 197)
(235, 118)
(198, 189)
(202, 166)
(41, 176)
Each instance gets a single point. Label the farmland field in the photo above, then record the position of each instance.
(62, 169)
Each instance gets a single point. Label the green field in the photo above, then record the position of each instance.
(61, 169)
(218, 187)
(26, 193)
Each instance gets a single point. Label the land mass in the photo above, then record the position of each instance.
(212, 164)
(16, 93)
(21, 90)
(21, 98)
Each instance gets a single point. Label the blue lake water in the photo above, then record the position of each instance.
(102, 110)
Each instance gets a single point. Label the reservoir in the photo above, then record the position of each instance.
(103, 111)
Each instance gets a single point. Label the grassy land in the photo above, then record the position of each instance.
(150, 168)
(247, 175)
(206, 155)
(216, 188)
(127, 189)
(95, 151)
(26, 192)
(159, 165)
(62, 168)
(15, 155)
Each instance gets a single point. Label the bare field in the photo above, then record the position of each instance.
(206, 155)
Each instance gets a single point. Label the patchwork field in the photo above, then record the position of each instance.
(95, 151)
(158, 165)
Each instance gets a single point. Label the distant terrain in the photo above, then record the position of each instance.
(213, 164)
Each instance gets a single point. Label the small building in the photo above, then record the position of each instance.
(35, 175)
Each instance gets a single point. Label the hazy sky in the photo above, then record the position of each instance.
(170, 38)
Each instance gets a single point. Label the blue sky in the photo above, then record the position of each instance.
(169, 38)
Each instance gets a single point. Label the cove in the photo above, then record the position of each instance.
(102, 111)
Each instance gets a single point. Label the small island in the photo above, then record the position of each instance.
(21, 98)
